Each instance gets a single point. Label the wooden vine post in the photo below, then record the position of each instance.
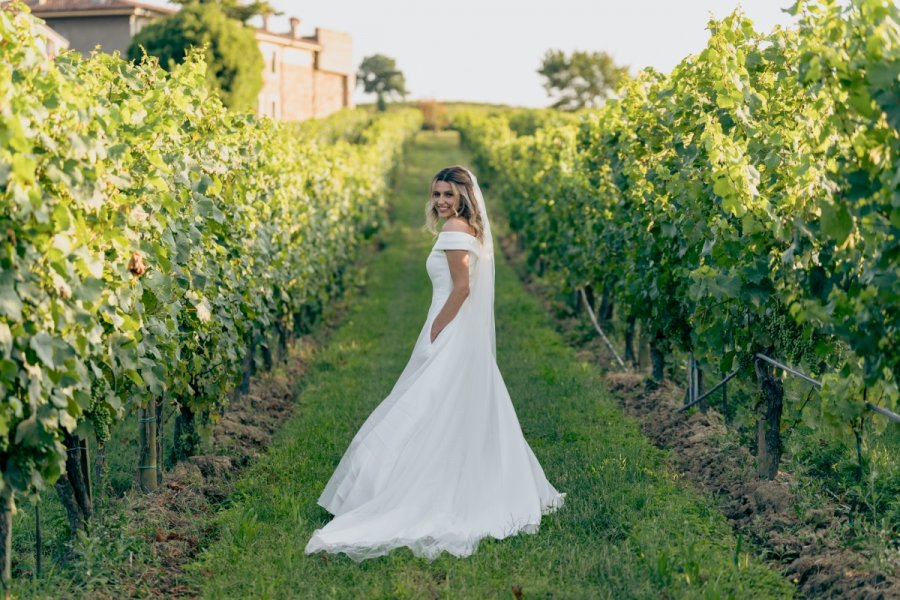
(724, 408)
(282, 331)
(692, 380)
(768, 420)
(148, 463)
(160, 436)
(247, 365)
(86, 483)
(857, 425)
(698, 388)
(657, 356)
(74, 486)
(630, 356)
(605, 314)
(38, 541)
(7, 510)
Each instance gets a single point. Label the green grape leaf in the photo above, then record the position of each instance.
(836, 222)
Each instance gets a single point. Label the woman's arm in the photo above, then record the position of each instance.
(459, 274)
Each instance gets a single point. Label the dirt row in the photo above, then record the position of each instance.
(183, 507)
(177, 520)
(803, 545)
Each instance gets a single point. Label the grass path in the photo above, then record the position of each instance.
(628, 529)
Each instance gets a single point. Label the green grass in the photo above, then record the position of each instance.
(628, 529)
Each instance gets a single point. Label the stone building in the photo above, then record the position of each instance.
(304, 76)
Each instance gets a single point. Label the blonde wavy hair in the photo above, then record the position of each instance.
(461, 184)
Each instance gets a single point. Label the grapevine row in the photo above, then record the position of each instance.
(152, 242)
(747, 202)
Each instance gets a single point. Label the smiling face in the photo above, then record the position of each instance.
(445, 200)
(451, 195)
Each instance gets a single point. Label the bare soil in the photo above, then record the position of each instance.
(177, 520)
(802, 543)
(192, 491)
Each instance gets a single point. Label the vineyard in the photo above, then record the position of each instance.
(739, 216)
(157, 251)
(746, 203)
(723, 238)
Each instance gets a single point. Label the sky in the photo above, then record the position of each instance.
(490, 50)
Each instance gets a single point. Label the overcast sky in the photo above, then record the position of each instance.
(489, 50)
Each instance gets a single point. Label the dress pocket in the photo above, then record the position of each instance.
(428, 343)
(444, 332)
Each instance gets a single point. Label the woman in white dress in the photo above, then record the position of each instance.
(442, 462)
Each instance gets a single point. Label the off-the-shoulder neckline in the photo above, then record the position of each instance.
(461, 232)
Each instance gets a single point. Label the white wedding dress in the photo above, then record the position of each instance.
(441, 462)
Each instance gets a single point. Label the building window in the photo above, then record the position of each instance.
(274, 61)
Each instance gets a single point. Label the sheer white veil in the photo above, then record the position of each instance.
(482, 288)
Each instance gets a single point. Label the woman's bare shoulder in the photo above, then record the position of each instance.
(458, 224)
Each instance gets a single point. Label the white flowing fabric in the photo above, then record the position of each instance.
(441, 462)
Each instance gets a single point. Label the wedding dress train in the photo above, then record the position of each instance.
(441, 462)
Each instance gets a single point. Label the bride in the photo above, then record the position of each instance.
(442, 462)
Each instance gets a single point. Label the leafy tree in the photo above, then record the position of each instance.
(235, 10)
(379, 75)
(234, 62)
(586, 79)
